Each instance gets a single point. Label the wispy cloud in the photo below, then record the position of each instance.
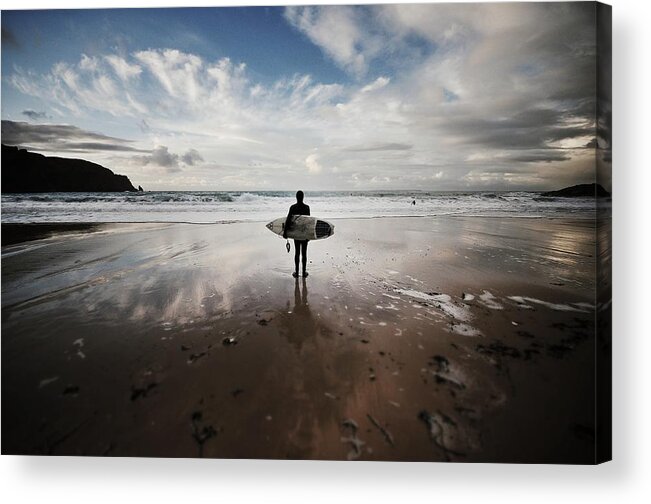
(337, 30)
(84, 86)
(124, 70)
(175, 71)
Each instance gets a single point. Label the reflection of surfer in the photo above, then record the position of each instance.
(300, 297)
(301, 325)
(300, 246)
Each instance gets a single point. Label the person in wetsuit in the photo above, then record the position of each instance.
(300, 246)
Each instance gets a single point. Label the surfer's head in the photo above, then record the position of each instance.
(299, 196)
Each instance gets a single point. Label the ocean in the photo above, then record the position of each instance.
(262, 206)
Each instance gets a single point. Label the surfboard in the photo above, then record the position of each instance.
(303, 227)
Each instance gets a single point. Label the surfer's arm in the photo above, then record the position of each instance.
(287, 221)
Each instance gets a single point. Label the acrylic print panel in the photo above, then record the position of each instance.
(454, 162)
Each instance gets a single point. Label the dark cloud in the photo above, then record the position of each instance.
(380, 147)
(8, 39)
(33, 115)
(191, 157)
(537, 157)
(92, 146)
(161, 156)
(60, 138)
(529, 129)
(604, 95)
(526, 91)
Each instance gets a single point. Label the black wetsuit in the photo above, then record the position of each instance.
(300, 246)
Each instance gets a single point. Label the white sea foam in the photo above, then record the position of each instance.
(465, 330)
(424, 296)
(443, 302)
(523, 300)
(47, 381)
(221, 206)
(488, 300)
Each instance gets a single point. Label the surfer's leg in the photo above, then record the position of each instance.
(297, 252)
(304, 254)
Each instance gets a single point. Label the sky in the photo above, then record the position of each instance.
(430, 96)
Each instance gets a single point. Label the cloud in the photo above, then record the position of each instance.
(336, 30)
(9, 39)
(380, 147)
(86, 85)
(191, 157)
(161, 157)
(537, 157)
(486, 95)
(312, 164)
(176, 71)
(122, 68)
(379, 83)
(33, 115)
(60, 138)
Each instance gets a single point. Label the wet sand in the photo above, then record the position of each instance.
(413, 339)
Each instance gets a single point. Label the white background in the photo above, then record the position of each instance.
(626, 479)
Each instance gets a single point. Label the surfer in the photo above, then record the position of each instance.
(300, 246)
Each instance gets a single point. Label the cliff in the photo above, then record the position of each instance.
(24, 171)
(578, 191)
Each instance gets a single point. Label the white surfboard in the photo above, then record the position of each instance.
(303, 227)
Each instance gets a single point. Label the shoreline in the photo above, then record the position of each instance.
(49, 229)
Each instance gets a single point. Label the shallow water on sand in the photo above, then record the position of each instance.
(412, 339)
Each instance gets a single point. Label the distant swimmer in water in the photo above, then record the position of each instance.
(300, 246)
(413, 202)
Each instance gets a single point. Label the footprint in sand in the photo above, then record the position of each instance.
(355, 442)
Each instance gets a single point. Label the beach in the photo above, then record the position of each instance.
(451, 338)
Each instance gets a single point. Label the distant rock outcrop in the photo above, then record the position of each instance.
(578, 191)
(24, 171)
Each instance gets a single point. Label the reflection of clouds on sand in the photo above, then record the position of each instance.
(147, 277)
